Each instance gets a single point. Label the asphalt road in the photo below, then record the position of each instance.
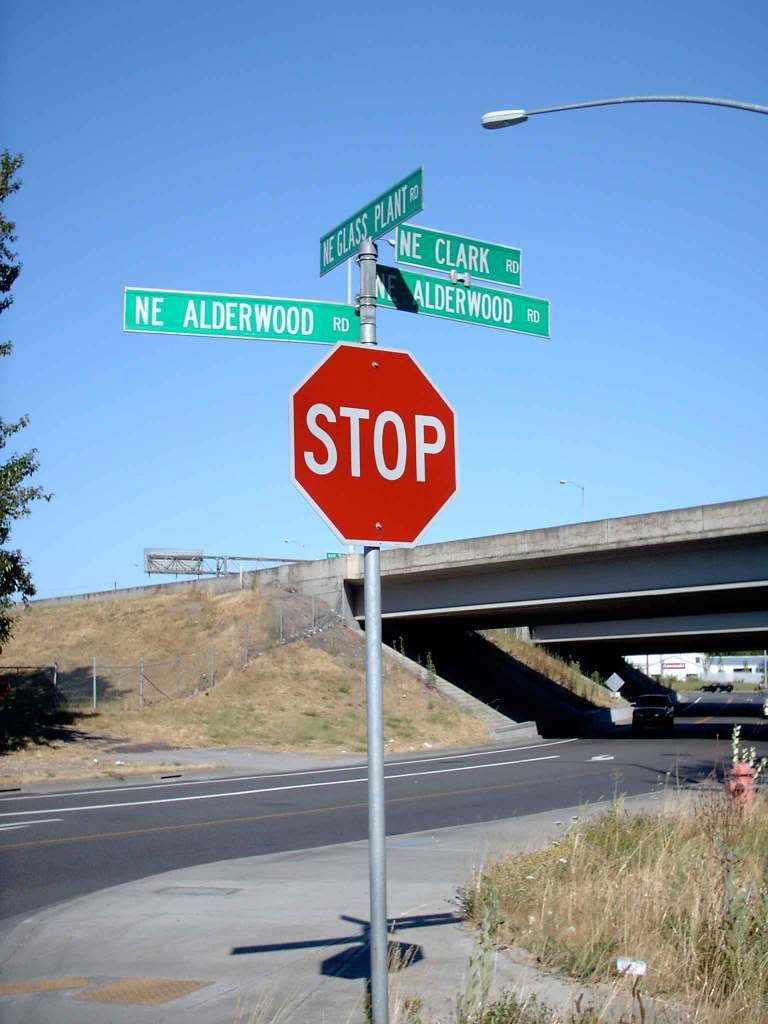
(705, 706)
(60, 845)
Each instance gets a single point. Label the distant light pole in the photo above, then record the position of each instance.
(574, 484)
(508, 118)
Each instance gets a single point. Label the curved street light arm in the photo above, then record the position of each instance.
(505, 118)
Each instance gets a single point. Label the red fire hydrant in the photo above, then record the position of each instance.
(740, 785)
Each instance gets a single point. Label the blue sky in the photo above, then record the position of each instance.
(185, 146)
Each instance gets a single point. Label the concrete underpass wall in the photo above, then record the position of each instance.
(478, 667)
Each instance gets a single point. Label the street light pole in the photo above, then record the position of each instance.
(574, 484)
(508, 118)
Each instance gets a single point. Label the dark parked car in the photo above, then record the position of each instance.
(717, 687)
(653, 712)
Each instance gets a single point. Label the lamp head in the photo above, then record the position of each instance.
(503, 118)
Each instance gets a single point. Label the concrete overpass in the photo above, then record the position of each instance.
(666, 581)
(662, 582)
(680, 580)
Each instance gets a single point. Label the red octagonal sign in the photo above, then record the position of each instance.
(373, 444)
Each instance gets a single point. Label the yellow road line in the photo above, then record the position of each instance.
(258, 817)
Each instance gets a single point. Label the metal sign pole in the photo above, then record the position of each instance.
(377, 851)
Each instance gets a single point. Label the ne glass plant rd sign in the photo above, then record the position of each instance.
(250, 317)
(441, 250)
(398, 203)
(487, 307)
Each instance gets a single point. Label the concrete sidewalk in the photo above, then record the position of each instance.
(211, 944)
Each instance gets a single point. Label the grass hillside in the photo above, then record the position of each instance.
(306, 695)
(247, 668)
(184, 637)
(568, 674)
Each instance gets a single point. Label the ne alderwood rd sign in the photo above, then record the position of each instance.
(487, 307)
(252, 317)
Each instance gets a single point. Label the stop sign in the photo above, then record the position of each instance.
(373, 444)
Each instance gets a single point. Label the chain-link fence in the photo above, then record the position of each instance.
(141, 682)
(147, 679)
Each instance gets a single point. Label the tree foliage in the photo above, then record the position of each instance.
(16, 494)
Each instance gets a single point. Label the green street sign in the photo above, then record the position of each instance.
(334, 554)
(252, 317)
(397, 204)
(488, 307)
(439, 250)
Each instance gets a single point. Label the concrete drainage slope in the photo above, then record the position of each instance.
(499, 724)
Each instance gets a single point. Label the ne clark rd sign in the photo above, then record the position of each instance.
(252, 317)
(439, 250)
(488, 307)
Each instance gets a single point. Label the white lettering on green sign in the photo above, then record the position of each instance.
(252, 317)
(486, 307)
(249, 318)
(397, 204)
(440, 250)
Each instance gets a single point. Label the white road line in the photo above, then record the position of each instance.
(286, 775)
(602, 757)
(7, 826)
(273, 789)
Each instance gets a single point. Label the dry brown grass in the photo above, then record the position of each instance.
(305, 695)
(567, 674)
(686, 892)
(308, 695)
(184, 638)
(84, 759)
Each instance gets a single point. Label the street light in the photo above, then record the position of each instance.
(507, 118)
(574, 484)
